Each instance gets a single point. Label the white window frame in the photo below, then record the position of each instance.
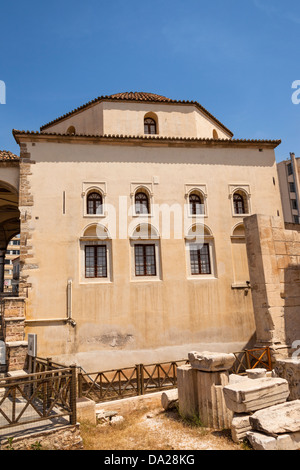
(200, 189)
(91, 187)
(210, 241)
(233, 188)
(147, 188)
(140, 241)
(85, 241)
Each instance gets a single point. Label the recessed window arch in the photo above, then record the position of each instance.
(71, 130)
(240, 202)
(239, 256)
(96, 232)
(96, 254)
(145, 245)
(196, 203)
(94, 203)
(142, 202)
(215, 134)
(238, 231)
(150, 124)
(145, 232)
(200, 251)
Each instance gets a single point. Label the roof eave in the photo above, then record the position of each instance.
(150, 140)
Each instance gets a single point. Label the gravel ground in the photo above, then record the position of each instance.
(175, 435)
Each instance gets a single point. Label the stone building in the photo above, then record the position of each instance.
(132, 236)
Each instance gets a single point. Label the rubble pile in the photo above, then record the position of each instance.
(259, 407)
(262, 413)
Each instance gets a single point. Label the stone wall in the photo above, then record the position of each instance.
(13, 326)
(26, 203)
(66, 438)
(274, 266)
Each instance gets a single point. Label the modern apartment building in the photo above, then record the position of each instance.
(289, 177)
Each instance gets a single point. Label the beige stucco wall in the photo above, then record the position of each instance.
(123, 118)
(89, 121)
(125, 321)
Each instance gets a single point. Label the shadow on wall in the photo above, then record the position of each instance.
(291, 295)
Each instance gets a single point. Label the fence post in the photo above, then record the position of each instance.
(49, 383)
(73, 417)
(142, 379)
(138, 379)
(49, 363)
(248, 359)
(79, 384)
(174, 373)
(269, 358)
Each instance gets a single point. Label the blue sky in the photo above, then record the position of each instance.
(237, 58)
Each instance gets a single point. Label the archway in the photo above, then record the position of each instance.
(9, 222)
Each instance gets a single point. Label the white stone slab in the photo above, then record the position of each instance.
(279, 419)
(211, 361)
(252, 395)
(261, 442)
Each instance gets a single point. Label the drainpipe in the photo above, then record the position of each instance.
(69, 303)
(67, 319)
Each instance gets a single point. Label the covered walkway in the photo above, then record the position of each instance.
(9, 202)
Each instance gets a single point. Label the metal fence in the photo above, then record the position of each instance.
(38, 400)
(143, 379)
(47, 395)
(252, 359)
(132, 381)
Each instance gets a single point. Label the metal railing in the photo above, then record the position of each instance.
(34, 398)
(142, 379)
(128, 382)
(252, 359)
(50, 390)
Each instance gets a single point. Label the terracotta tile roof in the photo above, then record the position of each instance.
(185, 140)
(6, 156)
(137, 96)
(140, 96)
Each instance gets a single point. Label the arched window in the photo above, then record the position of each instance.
(145, 244)
(196, 204)
(200, 244)
(240, 204)
(95, 245)
(215, 134)
(71, 130)
(94, 204)
(150, 126)
(142, 203)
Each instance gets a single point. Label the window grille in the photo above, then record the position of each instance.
(145, 261)
(200, 259)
